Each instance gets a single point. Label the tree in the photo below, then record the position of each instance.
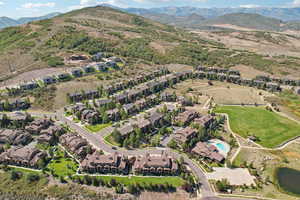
(15, 175)
(117, 136)
(32, 177)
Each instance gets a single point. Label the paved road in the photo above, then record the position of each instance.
(97, 141)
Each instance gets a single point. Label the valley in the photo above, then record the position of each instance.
(101, 103)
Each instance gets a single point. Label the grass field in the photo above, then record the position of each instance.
(62, 166)
(174, 181)
(292, 101)
(97, 127)
(271, 128)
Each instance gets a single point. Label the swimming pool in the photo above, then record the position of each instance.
(222, 146)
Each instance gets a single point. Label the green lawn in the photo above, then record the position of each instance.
(62, 166)
(110, 140)
(172, 180)
(271, 128)
(97, 127)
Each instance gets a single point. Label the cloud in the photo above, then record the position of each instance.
(38, 5)
(250, 6)
(168, 1)
(89, 3)
(1, 3)
(296, 3)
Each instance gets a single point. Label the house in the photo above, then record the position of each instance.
(186, 117)
(103, 102)
(75, 144)
(90, 116)
(273, 87)
(29, 86)
(76, 97)
(23, 156)
(200, 74)
(201, 68)
(234, 79)
(77, 72)
(88, 69)
(98, 163)
(49, 80)
(234, 72)
(297, 90)
(166, 96)
(210, 152)
(126, 129)
(92, 94)
(18, 117)
(111, 64)
(184, 101)
(129, 108)
(184, 135)
(221, 76)
(155, 165)
(143, 124)
(15, 137)
(133, 94)
(37, 125)
(98, 57)
(64, 77)
(114, 114)
(49, 136)
(156, 119)
(121, 98)
(141, 104)
(18, 104)
(79, 107)
(102, 67)
(204, 121)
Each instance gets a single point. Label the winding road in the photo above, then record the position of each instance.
(97, 141)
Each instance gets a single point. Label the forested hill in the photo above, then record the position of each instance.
(45, 43)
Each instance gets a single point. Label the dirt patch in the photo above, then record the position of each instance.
(178, 67)
(179, 195)
(292, 154)
(249, 72)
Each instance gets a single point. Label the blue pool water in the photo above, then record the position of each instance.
(222, 147)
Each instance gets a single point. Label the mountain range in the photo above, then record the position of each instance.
(285, 14)
(7, 22)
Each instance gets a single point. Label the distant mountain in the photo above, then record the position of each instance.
(26, 20)
(7, 22)
(180, 21)
(285, 14)
(253, 21)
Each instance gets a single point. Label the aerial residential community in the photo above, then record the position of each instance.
(108, 102)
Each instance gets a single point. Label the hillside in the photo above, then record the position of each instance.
(44, 44)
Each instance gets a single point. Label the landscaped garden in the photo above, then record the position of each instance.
(97, 127)
(62, 164)
(269, 128)
(131, 180)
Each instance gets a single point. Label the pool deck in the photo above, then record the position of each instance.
(225, 145)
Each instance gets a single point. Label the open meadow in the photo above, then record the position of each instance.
(270, 128)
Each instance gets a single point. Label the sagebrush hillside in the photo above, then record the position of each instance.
(45, 43)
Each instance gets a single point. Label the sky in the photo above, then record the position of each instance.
(29, 8)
